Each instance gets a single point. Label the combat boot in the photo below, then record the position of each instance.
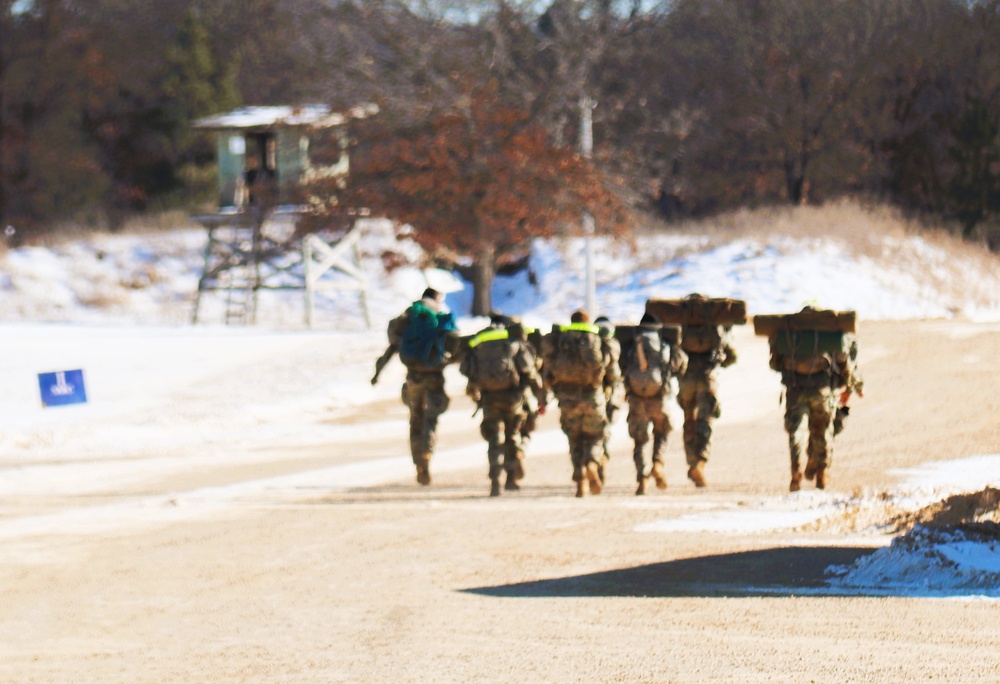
(495, 486)
(511, 484)
(641, 489)
(696, 475)
(423, 474)
(518, 470)
(658, 476)
(594, 476)
(821, 478)
(423, 464)
(581, 489)
(795, 484)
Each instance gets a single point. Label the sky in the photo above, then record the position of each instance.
(119, 307)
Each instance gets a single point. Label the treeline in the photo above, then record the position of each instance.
(701, 105)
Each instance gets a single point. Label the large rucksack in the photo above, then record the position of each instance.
(423, 340)
(700, 339)
(576, 356)
(813, 342)
(492, 365)
(644, 372)
(808, 352)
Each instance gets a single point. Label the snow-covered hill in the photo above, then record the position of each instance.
(152, 279)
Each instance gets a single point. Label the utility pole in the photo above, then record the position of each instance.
(586, 148)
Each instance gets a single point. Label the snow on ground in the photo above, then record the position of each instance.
(119, 307)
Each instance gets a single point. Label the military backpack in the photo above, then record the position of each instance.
(491, 363)
(576, 355)
(700, 339)
(425, 336)
(644, 372)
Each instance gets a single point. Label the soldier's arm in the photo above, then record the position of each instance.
(612, 368)
(678, 361)
(728, 351)
(473, 391)
(387, 355)
(527, 368)
(857, 383)
(775, 362)
(850, 378)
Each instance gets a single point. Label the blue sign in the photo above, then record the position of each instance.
(62, 387)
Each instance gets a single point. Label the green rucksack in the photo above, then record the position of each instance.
(423, 341)
(807, 352)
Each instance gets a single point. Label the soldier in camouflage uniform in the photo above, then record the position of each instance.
(698, 391)
(502, 371)
(580, 369)
(815, 406)
(614, 396)
(647, 388)
(533, 341)
(423, 391)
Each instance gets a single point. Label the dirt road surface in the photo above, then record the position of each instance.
(297, 565)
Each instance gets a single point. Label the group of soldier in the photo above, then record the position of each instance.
(592, 371)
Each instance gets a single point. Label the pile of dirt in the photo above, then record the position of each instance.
(949, 548)
(887, 513)
(977, 511)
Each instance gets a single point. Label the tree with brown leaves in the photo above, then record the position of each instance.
(476, 181)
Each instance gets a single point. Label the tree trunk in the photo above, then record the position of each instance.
(483, 271)
(795, 177)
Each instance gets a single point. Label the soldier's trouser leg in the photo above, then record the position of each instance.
(638, 458)
(593, 429)
(437, 403)
(661, 428)
(413, 397)
(698, 429)
(659, 442)
(570, 424)
(822, 409)
(798, 432)
(528, 426)
(427, 401)
(638, 430)
(583, 419)
(513, 455)
(687, 431)
(698, 399)
(490, 430)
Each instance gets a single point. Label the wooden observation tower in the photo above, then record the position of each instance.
(253, 240)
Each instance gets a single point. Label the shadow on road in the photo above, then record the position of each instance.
(788, 571)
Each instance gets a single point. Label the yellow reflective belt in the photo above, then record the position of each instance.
(583, 327)
(488, 335)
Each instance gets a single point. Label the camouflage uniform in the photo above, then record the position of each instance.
(614, 395)
(532, 406)
(583, 417)
(504, 409)
(422, 392)
(698, 396)
(583, 413)
(811, 410)
(646, 411)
